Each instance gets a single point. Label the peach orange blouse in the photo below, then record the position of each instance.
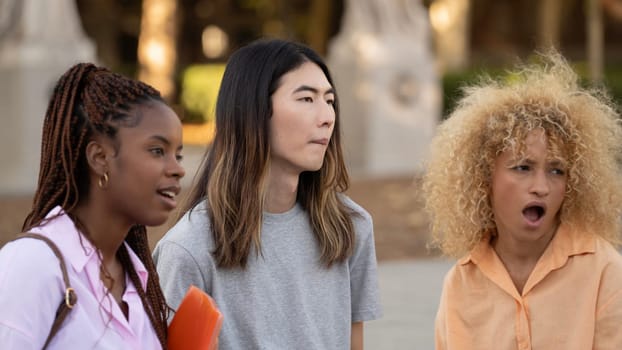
(572, 299)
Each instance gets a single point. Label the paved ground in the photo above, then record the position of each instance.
(410, 292)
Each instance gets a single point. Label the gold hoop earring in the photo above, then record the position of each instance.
(103, 181)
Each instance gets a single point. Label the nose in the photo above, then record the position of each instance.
(326, 115)
(175, 169)
(540, 185)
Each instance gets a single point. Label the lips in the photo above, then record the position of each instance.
(169, 193)
(322, 142)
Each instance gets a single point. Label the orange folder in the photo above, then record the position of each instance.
(196, 323)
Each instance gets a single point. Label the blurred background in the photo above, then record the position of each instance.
(398, 66)
(181, 45)
(184, 43)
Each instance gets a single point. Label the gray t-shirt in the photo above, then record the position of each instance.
(285, 298)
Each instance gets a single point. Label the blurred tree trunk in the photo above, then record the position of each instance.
(595, 33)
(450, 21)
(97, 16)
(319, 25)
(157, 45)
(550, 23)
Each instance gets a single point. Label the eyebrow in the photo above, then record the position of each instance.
(557, 162)
(550, 161)
(314, 90)
(165, 141)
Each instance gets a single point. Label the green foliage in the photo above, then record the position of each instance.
(199, 90)
(454, 82)
(613, 83)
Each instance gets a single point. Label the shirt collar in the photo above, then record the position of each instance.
(76, 248)
(567, 242)
(141, 271)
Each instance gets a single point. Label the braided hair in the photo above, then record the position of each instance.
(90, 100)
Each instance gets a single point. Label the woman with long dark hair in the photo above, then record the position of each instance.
(268, 233)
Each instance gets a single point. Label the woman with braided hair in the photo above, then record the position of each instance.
(110, 165)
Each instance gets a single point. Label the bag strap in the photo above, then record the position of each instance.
(70, 297)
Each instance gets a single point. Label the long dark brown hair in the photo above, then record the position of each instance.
(90, 100)
(232, 177)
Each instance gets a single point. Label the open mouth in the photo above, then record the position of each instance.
(534, 212)
(168, 194)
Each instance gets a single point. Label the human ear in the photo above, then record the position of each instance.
(97, 155)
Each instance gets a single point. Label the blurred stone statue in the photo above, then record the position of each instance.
(393, 17)
(30, 28)
(9, 13)
(388, 87)
(39, 40)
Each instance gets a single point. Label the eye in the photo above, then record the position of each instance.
(558, 171)
(179, 157)
(158, 151)
(330, 101)
(306, 99)
(521, 167)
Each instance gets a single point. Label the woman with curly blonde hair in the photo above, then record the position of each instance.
(524, 186)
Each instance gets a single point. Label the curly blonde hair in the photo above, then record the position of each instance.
(582, 127)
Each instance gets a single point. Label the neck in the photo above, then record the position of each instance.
(105, 233)
(281, 192)
(521, 251)
(519, 257)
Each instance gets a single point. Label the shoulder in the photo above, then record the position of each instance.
(609, 257)
(190, 235)
(463, 285)
(28, 269)
(357, 209)
(605, 254)
(454, 274)
(606, 263)
(29, 278)
(361, 219)
(190, 228)
(28, 256)
(465, 275)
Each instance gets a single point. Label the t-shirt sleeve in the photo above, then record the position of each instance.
(31, 290)
(177, 270)
(365, 294)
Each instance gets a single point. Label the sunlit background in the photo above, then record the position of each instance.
(178, 46)
(411, 55)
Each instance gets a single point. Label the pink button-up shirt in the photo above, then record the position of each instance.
(31, 288)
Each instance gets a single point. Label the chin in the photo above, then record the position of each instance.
(311, 169)
(315, 166)
(155, 220)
